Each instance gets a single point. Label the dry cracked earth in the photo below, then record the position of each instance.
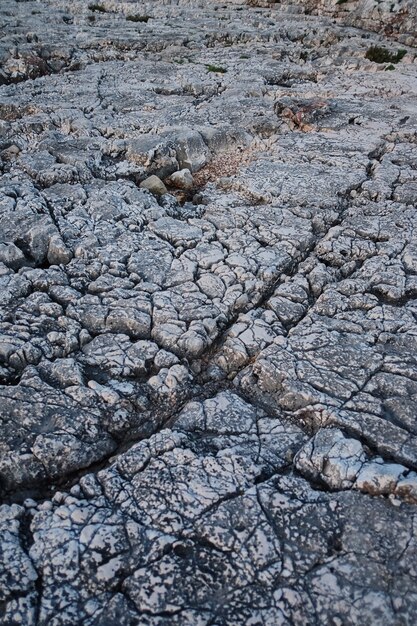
(208, 298)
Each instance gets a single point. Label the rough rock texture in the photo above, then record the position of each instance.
(208, 304)
(395, 18)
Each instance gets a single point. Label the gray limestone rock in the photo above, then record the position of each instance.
(208, 385)
(182, 179)
(154, 185)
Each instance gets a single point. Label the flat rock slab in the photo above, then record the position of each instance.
(208, 258)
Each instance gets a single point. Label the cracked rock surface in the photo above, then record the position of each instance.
(208, 313)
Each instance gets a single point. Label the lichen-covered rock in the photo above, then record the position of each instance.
(208, 288)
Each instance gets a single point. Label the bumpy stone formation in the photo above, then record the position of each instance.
(208, 265)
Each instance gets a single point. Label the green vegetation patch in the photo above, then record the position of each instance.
(138, 18)
(216, 68)
(382, 55)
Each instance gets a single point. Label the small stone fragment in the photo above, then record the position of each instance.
(181, 180)
(58, 253)
(154, 185)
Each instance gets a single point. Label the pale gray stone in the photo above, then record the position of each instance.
(208, 396)
(154, 185)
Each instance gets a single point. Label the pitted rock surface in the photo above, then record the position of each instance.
(208, 304)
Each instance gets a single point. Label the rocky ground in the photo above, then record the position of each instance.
(208, 292)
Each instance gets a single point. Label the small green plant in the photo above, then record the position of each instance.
(390, 67)
(216, 68)
(382, 55)
(138, 18)
(342, 1)
(244, 56)
(97, 7)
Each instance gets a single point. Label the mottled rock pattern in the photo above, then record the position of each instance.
(208, 262)
(393, 18)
